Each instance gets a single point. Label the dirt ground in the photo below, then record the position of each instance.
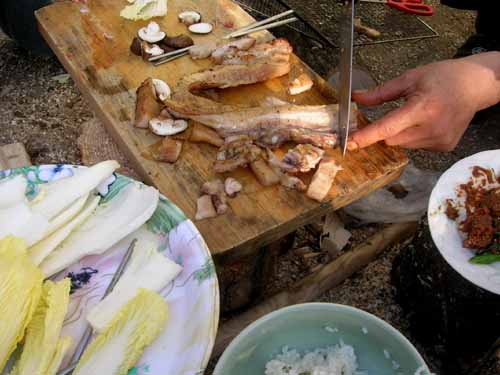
(42, 108)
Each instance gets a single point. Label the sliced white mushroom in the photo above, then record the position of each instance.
(189, 17)
(151, 33)
(167, 126)
(162, 89)
(201, 28)
(153, 50)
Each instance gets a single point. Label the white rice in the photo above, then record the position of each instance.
(332, 360)
(331, 330)
(387, 355)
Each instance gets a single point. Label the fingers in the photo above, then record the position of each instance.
(411, 135)
(390, 90)
(388, 126)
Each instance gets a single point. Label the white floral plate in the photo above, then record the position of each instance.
(185, 345)
(445, 233)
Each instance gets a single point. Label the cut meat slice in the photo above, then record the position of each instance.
(147, 106)
(323, 179)
(202, 51)
(241, 44)
(300, 84)
(277, 51)
(264, 173)
(203, 134)
(302, 158)
(205, 208)
(290, 182)
(237, 153)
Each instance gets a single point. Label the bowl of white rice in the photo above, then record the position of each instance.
(320, 339)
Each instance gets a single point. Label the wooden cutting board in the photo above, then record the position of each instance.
(92, 42)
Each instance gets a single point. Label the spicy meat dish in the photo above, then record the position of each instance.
(481, 207)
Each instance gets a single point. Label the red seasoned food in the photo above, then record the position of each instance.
(482, 208)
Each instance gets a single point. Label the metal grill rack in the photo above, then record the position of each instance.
(394, 25)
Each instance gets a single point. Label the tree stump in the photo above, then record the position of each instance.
(456, 321)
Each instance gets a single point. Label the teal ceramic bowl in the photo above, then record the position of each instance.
(380, 349)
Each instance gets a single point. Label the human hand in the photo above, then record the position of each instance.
(440, 102)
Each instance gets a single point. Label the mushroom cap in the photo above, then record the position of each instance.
(201, 28)
(162, 89)
(189, 17)
(167, 126)
(151, 33)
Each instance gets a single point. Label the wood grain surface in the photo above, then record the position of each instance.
(92, 42)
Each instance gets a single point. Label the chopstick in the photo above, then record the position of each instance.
(255, 24)
(89, 331)
(245, 30)
(182, 52)
(174, 57)
(264, 27)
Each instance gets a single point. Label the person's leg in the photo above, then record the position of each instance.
(17, 20)
(487, 37)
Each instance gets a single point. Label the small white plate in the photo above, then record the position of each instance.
(445, 232)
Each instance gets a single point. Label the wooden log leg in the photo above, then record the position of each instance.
(245, 279)
(317, 283)
(266, 265)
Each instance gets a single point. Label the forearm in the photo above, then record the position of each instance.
(487, 77)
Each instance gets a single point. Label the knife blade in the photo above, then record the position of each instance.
(345, 71)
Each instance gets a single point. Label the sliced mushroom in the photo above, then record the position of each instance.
(162, 89)
(153, 50)
(151, 33)
(189, 17)
(205, 208)
(201, 28)
(179, 41)
(147, 107)
(167, 126)
(232, 187)
(135, 47)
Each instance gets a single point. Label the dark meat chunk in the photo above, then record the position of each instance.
(493, 201)
(451, 210)
(480, 229)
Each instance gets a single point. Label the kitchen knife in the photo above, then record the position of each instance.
(345, 70)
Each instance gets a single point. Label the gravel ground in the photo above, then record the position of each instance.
(42, 108)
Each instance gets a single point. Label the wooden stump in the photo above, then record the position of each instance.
(455, 320)
(243, 280)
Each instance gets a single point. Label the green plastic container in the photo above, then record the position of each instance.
(380, 348)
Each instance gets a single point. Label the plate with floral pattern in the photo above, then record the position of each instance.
(185, 345)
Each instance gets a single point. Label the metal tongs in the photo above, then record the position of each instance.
(84, 341)
(245, 30)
